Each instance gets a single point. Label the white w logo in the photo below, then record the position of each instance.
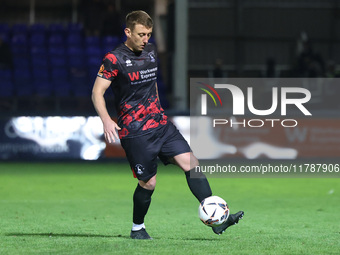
(296, 134)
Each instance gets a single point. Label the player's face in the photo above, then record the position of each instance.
(138, 38)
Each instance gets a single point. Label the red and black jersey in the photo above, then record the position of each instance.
(133, 79)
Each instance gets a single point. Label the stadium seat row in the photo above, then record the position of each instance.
(55, 60)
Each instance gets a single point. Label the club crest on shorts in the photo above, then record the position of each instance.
(139, 169)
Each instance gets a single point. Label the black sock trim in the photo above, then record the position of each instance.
(146, 191)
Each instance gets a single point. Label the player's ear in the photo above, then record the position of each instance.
(127, 32)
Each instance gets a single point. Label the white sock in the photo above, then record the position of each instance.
(136, 227)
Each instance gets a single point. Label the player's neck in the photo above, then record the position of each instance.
(127, 45)
(130, 48)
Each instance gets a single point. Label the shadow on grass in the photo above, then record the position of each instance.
(98, 236)
(197, 239)
(65, 235)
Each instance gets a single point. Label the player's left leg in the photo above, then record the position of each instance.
(176, 150)
(232, 220)
(198, 184)
(175, 144)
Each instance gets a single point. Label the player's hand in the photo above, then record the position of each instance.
(110, 131)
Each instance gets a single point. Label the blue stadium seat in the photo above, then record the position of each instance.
(58, 61)
(20, 53)
(92, 72)
(75, 28)
(80, 82)
(23, 82)
(38, 39)
(94, 62)
(74, 39)
(4, 32)
(76, 56)
(19, 39)
(92, 41)
(78, 62)
(110, 42)
(5, 37)
(94, 59)
(59, 73)
(21, 62)
(37, 28)
(57, 56)
(37, 50)
(7, 88)
(41, 81)
(57, 50)
(39, 60)
(19, 45)
(78, 72)
(41, 72)
(19, 29)
(4, 28)
(94, 51)
(60, 81)
(56, 40)
(56, 28)
(75, 50)
(6, 83)
(39, 56)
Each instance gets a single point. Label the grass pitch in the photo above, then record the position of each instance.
(86, 208)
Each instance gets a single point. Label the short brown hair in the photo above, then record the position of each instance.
(138, 17)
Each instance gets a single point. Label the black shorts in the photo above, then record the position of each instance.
(142, 151)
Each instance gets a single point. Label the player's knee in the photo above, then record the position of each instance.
(149, 184)
(187, 161)
(193, 161)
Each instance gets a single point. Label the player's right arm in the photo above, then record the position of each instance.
(98, 91)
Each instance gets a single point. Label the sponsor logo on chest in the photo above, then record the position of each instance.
(143, 75)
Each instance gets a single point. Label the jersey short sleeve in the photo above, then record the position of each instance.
(109, 68)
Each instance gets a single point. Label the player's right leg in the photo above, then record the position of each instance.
(143, 163)
(141, 204)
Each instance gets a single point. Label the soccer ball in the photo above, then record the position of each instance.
(213, 211)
